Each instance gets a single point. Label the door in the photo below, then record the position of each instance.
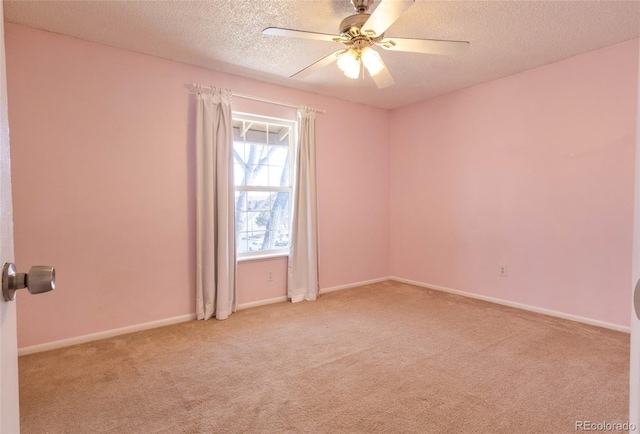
(9, 414)
(634, 366)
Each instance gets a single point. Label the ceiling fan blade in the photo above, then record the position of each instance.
(383, 78)
(426, 46)
(277, 31)
(328, 60)
(385, 14)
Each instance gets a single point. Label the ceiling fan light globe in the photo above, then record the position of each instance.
(372, 61)
(353, 71)
(350, 64)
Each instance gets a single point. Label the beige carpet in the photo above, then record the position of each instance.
(389, 358)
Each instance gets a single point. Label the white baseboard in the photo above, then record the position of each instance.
(354, 285)
(164, 322)
(322, 291)
(183, 318)
(102, 335)
(261, 302)
(522, 306)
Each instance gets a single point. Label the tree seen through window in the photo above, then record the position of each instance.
(262, 152)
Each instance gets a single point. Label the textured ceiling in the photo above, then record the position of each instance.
(506, 37)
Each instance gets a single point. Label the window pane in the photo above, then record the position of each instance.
(261, 221)
(242, 223)
(258, 200)
(265, 224)
(242, 243)
(249, 171)
(279, 135)
(282, 238)
(261, 159)
(279, 156)
(257, 133)
(238, 174)
(241, 201)
(269, 240)
(278, 176)
(279, 219)
(238, 152)
(255, 175)
(255, 241)
(280, 203)
(253, 222)
(256, 152)
(250, 224)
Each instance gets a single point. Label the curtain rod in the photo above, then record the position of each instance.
(255, 98)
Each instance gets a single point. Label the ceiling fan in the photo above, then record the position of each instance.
(362, 31)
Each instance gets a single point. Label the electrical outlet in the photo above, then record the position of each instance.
(269, 276)
(503, 270)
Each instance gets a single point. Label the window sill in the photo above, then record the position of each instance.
(262, 257)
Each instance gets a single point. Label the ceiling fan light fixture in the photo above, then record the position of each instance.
(349, 63)
(372, 61)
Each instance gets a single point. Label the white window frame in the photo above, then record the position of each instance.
(292, 124)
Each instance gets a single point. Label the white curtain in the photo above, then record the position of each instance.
(303, 257)
(215, 232)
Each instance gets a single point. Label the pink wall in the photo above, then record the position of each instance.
(103, 156)
(534, 171)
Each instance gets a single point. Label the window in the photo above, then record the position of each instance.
(263, 154)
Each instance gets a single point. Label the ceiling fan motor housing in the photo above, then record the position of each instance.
(351, 25)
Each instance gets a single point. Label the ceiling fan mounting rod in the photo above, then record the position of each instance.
(361, 6)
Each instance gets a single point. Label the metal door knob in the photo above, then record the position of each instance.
(39, 279)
